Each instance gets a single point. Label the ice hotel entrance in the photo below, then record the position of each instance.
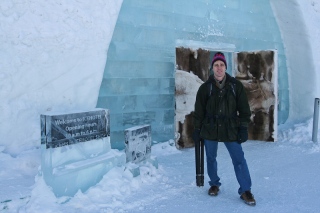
(257, 70)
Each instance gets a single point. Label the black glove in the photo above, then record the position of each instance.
(196, 136)
(242, 134)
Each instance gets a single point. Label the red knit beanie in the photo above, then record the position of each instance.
(219, 56)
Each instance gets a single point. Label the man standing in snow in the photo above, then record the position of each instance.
(222, 114)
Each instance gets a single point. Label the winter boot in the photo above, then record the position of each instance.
(213, 191)
(248, 198)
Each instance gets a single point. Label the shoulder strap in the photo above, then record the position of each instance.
(233, 86)
(210, 88)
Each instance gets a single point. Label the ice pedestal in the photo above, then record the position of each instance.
(71, 168)
(134, 168)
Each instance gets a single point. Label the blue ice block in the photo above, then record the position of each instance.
(66, 179)
(76, 151)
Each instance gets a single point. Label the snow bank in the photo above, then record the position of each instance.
(52, 58)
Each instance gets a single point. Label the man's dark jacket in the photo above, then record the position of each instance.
(220, 115)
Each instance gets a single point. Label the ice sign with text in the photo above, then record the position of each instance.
(65, 129)
(76, 151)
(138, 143)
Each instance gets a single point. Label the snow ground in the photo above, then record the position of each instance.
(284, 175)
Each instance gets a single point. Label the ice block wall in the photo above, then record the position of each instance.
(138, 84)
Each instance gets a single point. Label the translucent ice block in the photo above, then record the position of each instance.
(76, 150)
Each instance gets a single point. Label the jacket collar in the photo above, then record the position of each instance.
(217, 83)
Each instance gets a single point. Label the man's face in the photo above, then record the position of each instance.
(219, 70)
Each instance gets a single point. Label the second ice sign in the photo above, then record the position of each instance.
(138, 143)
